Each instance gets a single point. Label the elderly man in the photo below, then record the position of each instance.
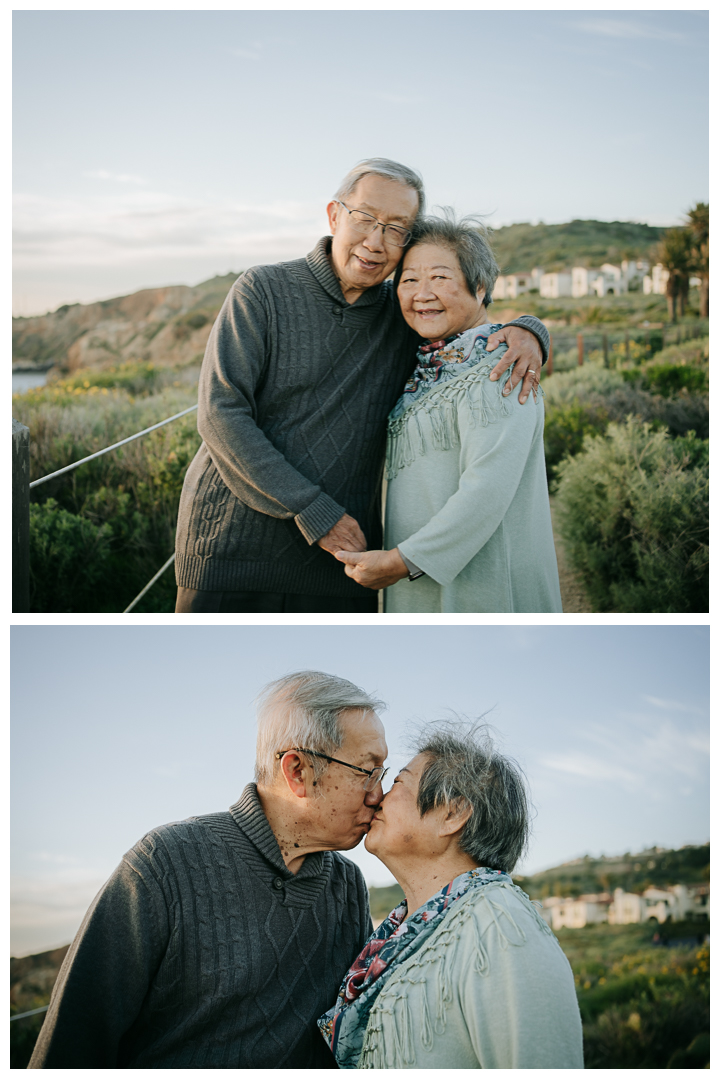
(219, 940)
(302, 367)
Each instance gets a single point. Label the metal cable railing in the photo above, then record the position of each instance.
(31, 1012)
(99, 453)
(152, 581)
(59, 472)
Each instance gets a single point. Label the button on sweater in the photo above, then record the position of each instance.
(295, 389)
(204, 951)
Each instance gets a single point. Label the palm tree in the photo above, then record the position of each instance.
(675, 252)
(698, 221)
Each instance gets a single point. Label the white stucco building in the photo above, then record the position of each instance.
(656, 281)
(554, 285)
(676, 902)
(576, 913)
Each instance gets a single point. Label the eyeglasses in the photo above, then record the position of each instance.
(374, 776)
(364, 224)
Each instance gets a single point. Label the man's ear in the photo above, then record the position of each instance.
(456, 816)
(332, 213)
(297, 775)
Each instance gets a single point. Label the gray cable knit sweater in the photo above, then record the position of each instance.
(295, 390)
(204, 951)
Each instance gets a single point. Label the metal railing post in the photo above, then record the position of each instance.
(20, 517)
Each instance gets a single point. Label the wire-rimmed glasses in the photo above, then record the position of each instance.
(373, 776)
(364, 224)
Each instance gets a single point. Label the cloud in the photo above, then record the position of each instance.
(137, 227)
(118, 178)
(625, 28)
(397, 99)
(589, 767)
(255, 53)
(647, 753)
(673, 706)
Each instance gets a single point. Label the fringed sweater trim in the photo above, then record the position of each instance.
(484, 401)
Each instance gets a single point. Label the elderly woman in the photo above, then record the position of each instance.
(464, 973)
(468, 518)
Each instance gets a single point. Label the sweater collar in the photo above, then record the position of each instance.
(320, 264)
(249, 816)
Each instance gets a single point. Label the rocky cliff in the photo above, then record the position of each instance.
(166, 326)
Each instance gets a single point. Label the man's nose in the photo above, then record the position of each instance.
(374, 797)
(375, 240)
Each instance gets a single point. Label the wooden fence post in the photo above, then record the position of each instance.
(20, 517)
(580, 349)
(549, 363)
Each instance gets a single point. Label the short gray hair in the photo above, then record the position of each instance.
(465, 770)
(469, 238)
(391, 170)
(305, 709)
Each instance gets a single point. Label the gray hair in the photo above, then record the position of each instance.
(391, 170)
(304, 709)
(468, 238)
(465, 770)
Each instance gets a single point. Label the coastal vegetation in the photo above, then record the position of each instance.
(628, 463)
(625, 439)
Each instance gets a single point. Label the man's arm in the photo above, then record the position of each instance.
(528, 345)
(251, 467)
(105, 976)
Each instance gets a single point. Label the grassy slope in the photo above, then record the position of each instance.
(689, 865)
(518, 248)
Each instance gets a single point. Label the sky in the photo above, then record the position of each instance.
(119, 729)
(164, 147)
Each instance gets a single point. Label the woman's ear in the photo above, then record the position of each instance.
(481, 294)
(456, 817)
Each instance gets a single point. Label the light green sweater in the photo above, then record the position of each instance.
(491, 989)
(467, 500)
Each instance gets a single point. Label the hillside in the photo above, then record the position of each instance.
(633, 873)
(518, 248)
(168, 326)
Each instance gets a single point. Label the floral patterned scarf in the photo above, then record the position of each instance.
(396, 939)
(438, 361)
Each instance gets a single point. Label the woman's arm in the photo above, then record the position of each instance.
(493, 458)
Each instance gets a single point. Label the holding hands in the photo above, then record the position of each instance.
(374, 569)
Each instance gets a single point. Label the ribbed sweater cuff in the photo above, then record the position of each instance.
(319, 517)
(531, 323)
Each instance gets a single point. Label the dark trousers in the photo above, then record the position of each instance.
(203, 601)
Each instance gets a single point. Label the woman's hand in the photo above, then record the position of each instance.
(374, 569)
(524, 352)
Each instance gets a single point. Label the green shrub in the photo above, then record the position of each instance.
(23, 1036)
(69, 558)
(669, 380)
(100, 532)
(568, 386)
(632, 509)
(566, 426)
(694, 351)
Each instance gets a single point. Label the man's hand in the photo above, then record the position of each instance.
(345, 535)
(374, 569)
(523, 349)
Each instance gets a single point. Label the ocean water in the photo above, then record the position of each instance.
(24, 380)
